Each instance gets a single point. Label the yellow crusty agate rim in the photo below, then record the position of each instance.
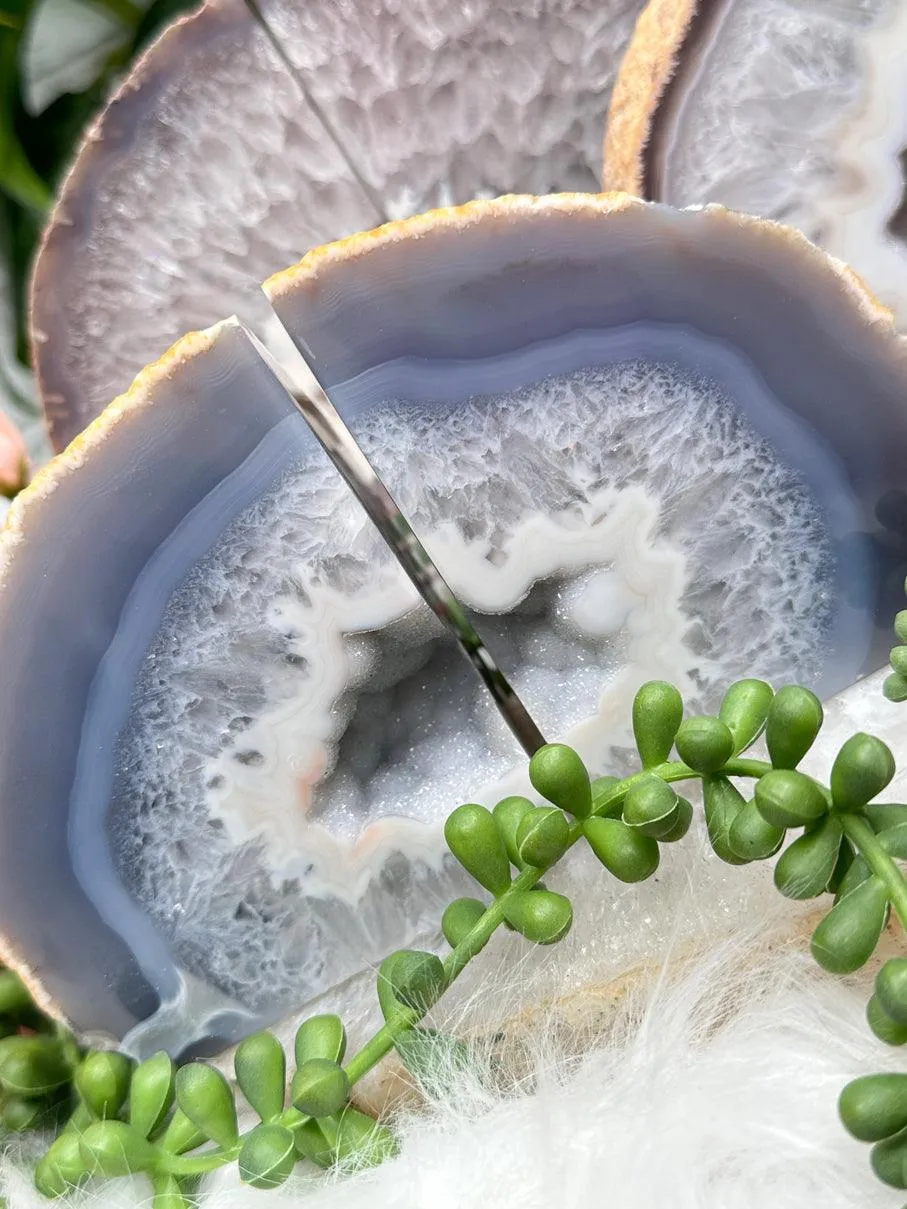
(141, 394)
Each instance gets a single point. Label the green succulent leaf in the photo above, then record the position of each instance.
(786, 798)
(805, 869)
(559, 775)
(882, 1025)
(204, 1095)
(624, 851)
(895, 687)
(846, 938)
(651, 807)
(705, 744)
(113, 1148)
(543, 836)
(862, 769)
(794, 720)
(33, 1066)
(508, 814)
(62, 1168)
(750, 837)
(320, 1088)
(744, 711)
(102, 1080)
(151, 1093)
(891, 989)
(459, 919)
(411, 978)
(723, 804)
(657, 714)
(320, 1036)
(540, 915)
(261, 1072)
(874, 1107)
(268, 1156)
(474, 839)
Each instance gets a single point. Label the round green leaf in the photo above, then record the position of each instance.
(32, 1066)
(204, 1095)
(360, 1141)
(459, 919)
(268, 1155)
(657, 714)
(151, 1093)
(320, 1088)
(895, 687)
(261, 1072)
(723, 803)
(558, 774)
(651, 806)
(789, 799)
(897, 657)
(683, 818)
(889, 1160)
(625, 852)
(882, 1025)
(508, 814)
(321, 1036)
(113, 1148)
(62, 1168)
(543, 836)
(412, 978)
(744, 711)
(705, 744)
(540, 915)
(891, 989)
(874, 1107)
(475, 841)
(900, 625)
(862, 769)
(19, 1114)
(750, 837)
(794, 720)
(846, 938)
(102, 1080)
(805, 868)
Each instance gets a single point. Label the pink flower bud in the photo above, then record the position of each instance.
(14, 467)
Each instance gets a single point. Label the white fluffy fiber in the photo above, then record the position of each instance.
(715, 1091)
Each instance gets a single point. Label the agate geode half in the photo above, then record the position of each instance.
(638, 442)
(796, 112)
(249, 134)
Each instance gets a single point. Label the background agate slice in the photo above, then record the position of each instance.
(638, 442)
(212, 167)
(792, 109)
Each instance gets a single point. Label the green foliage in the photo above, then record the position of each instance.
(657, 714)
(624, 851)
(558, 774)
(473, 837)
(794, 720)
(146, 1119)
(37, 148)
(543, 836)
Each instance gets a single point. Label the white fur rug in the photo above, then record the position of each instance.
(716, 1092)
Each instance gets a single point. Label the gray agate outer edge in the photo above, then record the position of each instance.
(66, 570)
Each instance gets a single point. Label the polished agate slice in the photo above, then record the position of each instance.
(637, 442)
(792, 109)
(234, 147)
